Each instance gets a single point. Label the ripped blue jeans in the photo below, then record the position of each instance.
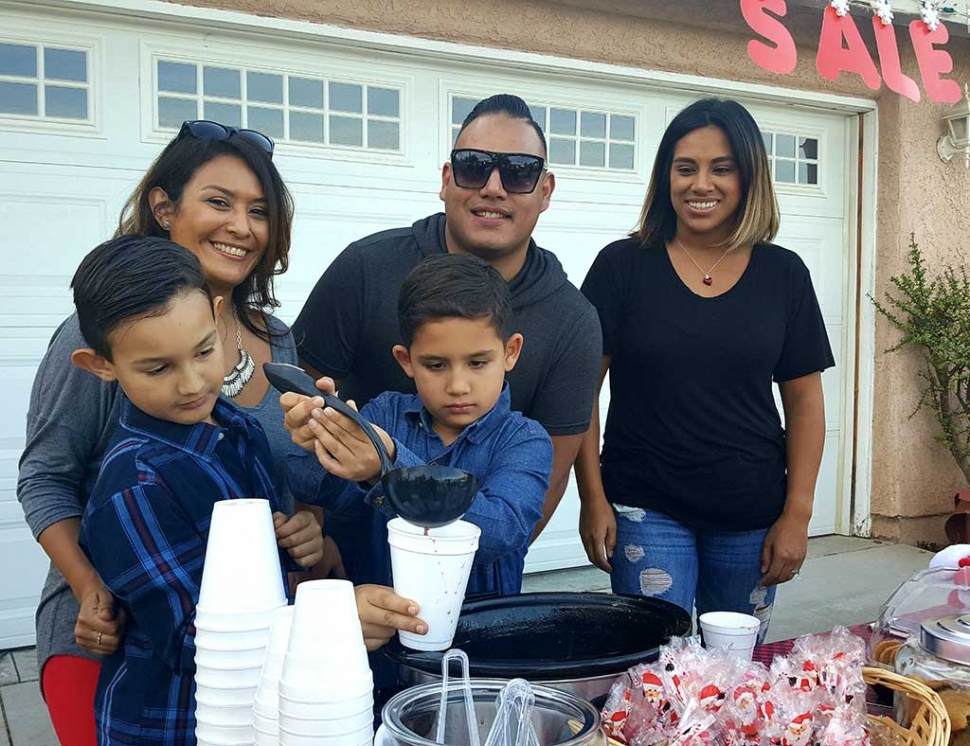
(713, 570)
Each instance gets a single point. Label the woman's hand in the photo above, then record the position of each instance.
(301, 536)
(784, 549)
(382, 613)
(298, 410)
(98, 629)
(343, 448)
(597, 528)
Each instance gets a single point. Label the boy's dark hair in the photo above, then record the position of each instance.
(449, 286)
(130, 277)
(511, 106)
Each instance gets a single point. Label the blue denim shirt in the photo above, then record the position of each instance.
(510, 455)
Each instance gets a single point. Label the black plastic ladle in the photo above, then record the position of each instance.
(427, 496)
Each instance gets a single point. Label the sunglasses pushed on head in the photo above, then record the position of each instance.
(204, 129)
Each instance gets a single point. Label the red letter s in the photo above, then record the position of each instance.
(780, 58)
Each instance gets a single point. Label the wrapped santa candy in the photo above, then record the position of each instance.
(845, 728)
(616, 711)
(789, 714)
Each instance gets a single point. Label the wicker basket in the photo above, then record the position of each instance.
(930, 725)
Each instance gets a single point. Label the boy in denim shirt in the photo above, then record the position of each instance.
(455, 319)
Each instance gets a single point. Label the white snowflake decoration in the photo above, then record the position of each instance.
(883, 10)
(841, 7)
(931, 16)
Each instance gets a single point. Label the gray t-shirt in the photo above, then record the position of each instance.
(69, 424)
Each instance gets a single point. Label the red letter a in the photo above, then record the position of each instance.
(833, 58)
(780, 58)
(892, 71)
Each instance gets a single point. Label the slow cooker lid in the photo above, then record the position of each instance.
(554, 636)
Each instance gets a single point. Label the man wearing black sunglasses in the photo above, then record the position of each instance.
(494, 187)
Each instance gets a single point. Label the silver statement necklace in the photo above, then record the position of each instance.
(708, 280)
(242, 372)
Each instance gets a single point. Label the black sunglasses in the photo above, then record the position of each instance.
(203, 129)
(519, 172)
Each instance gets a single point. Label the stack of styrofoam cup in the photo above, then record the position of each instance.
(326, 689)
(266, 706)
(242, 587)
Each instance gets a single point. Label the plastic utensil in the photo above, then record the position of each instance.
(427, 496)
(472, 718)
(525, 700)
(515, 698)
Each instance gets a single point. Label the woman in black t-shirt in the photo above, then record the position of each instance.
(704, 494)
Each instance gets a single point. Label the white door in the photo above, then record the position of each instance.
(86, 102)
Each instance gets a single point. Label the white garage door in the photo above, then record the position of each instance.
(86, 103)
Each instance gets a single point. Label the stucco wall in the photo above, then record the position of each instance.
(913, 477)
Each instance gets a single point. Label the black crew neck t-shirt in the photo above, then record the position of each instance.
(693, 430)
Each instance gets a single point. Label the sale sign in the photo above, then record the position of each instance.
(841, 49)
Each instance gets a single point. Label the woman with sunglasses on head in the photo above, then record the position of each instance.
(704, 496)
(215, 191)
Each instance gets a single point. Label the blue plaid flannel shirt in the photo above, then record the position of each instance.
(145, 529)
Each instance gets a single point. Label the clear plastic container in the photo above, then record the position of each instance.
(410, 717)
(941, 653)
(927, 596)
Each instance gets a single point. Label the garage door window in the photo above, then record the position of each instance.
(794, 158)
(44, 82)
(292, 108)
(577, 137)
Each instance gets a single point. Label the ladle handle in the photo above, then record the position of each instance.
(285, 378)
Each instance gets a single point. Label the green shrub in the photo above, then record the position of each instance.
(934, 318)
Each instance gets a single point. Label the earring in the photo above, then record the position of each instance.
(166, 225)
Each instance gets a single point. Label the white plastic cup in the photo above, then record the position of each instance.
(325, 616)
(279, 638)
(260, 738)
(249, 621)
(267, 704)
(229, 660)
(249, 639)
(326, 710)
(326, 727)
(432, 567)
(359, 737)
(266, 724)
(242, 570)
(223, 735)
(731, 631)
(215, 678)
(237, 716)
(329, 660)
(325, 689)
(226, 697)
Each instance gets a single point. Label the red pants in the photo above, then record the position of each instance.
(69, 684)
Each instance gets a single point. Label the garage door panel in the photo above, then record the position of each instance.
(820, 243)
(828, 499)
(53, 231)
